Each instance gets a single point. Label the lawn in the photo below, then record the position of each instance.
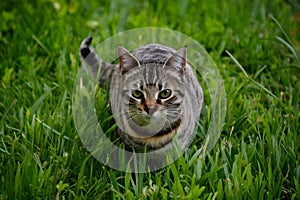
(256, 47)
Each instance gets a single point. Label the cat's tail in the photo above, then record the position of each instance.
(89, 58)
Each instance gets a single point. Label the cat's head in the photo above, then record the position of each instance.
(152, 92)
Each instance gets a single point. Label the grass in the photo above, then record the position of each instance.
(256, 47)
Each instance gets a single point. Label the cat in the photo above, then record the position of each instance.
(154, 94)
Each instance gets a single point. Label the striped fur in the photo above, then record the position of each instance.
(154, 94)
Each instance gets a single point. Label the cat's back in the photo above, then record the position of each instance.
(153, 53)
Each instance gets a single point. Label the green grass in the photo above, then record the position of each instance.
(258, 154)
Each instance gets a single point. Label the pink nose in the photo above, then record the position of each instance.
(150, 109)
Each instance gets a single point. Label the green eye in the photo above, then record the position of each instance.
(137, 94)
(165, 94)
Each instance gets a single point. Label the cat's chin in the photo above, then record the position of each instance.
(157, 127)
(152, 128)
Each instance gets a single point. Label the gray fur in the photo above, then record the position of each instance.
(163, 67)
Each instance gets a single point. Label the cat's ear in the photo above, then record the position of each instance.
(126, 59)
(178, 59)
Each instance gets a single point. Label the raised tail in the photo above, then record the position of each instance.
(89, 58)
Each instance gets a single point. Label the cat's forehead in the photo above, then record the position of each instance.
(152, 75)
(156, 53)
(150, 86)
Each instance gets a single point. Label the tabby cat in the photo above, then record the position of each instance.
(154, 94)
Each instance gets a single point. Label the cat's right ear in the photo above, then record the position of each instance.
(126, 59)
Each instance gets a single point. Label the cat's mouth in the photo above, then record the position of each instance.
(142, 121)
(148, 126)
(148, 120)
(145, 124)
(154, 127)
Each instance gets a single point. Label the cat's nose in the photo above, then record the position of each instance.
(151, 109)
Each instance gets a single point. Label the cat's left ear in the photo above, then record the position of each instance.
(178, 59)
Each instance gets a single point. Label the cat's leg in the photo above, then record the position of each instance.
(89, 58)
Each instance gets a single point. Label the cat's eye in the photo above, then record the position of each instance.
(165, 94)
(137, 94)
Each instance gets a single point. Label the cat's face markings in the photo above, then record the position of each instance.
(151, 98)
(153, 92)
